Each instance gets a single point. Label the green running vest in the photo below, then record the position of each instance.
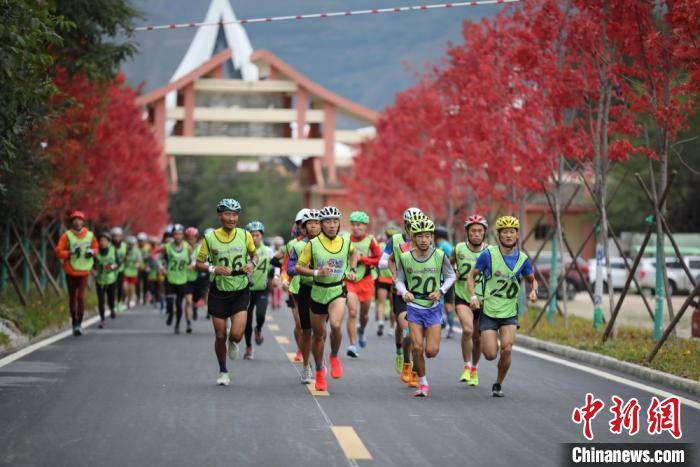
(132, 261)
(258, 279)
(121, 256)
(81, 262)
(465, 260)
(362, 249)
(176, 269)
(106, 277)
(298, 279)
(422, 277)
(233, 255)
(192, 273)
(502, 288)
(327, 288)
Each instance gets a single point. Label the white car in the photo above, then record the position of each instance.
(678, 281)
(619, 273)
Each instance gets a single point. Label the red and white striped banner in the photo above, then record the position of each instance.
(375, 11)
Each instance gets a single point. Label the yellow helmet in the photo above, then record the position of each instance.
(420, 225)
(505, 222)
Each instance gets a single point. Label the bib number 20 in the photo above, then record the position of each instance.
(506, 289)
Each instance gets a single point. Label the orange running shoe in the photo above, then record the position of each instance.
(299, 357)
(414, 383)
(321, 384)
(406, 372)
(336, 368)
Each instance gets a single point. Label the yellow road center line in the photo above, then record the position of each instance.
(350, 443)
(269, 318)
(274, 327)
(282, 340)
(291, 356)
(312, 389)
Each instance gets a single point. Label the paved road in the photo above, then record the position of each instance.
(135, 394)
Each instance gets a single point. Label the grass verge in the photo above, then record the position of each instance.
(680, 357)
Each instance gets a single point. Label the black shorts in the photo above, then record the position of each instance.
(226, 304)
(290, 300)
(399, 305)
(460, 301)
(303, 299)
(321, 309)
(382, 285)
(450, 295)
(487, 323)
(175, 289)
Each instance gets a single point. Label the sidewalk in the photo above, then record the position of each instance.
(633, 312)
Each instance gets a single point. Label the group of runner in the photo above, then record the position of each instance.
(416, 279)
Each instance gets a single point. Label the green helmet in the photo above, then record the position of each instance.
(359, 216)
(421, 225)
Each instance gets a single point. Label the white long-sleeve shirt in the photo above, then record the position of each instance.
(448, 276)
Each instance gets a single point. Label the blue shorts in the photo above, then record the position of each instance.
(424, 317)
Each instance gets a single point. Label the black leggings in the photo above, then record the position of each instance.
(258, 300)
(175, 293)
(120, 287)
(109, 290)
(142, 286)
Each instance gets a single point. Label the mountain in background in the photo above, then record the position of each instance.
(365, 58)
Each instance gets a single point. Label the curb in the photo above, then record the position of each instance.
(610, 363)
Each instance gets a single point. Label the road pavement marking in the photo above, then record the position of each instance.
(43, 343)
(274, 327)
(269, 318)
(312, 389)
(282, 339)
(352, 445)
(291, 356)
(602, 374)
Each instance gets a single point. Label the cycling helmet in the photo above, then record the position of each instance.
(142, 237)
(359, 216)
(105, 234)
(300, 214)
(476, 219)
(311, 215)
(178, 228)
(255, 226)
(191, 231)
(421, 225)
(117, 232)
(131, 240)
(330, 212)
(410, 212)
(506, 222)
(228, 204)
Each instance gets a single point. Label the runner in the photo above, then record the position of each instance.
(502, 268)
(258, 288)
(77, 247)
(142, 284)
(232, 253)
(297, 234)
(132, 263)
(424, 275)
(152, 270)
(444, 244)
(326, 258)
(300, 286)
(361, 290)
(175, 256)
(383, 290)
(120, 247)
(464, 258)
(106, 266)
(397, 244)
(194, 278)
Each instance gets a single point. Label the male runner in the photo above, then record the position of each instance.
(106, 266)
(259, 294)
(297, 234)
(175, 257)
(132, 263)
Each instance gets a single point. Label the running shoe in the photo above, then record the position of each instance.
(496, 390)
(248, 355)
(189, 329)
(321, 384)
(415, 380)
(223, 379)
(102, 324)
(336, 367)
(352, 351)
(465, 377)
(307, 375)
(406, 372)
(390, 332)
(398, 363)
(112, 314)
(169, 321)
(422, 391)
(78, 330)
(299, 357)
(258, 337)
(232, 350)
(380, 329)
(473, 378)
(361, 339)
(177, 330)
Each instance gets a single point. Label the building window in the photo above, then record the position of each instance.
(542, 231)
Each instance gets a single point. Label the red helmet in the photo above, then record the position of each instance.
(191, 231)
(476, 219)
(78, 214)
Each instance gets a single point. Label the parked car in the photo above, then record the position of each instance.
(678, 281)
(619, 273)
(573, 283)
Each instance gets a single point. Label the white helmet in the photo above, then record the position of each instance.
(142, 237)
(311, 215)
(131, 240)
(300, 214)
(117, 232)
(330, 212)
(410, 212)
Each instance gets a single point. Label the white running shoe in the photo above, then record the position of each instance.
(223, 379)
(307, 375)
(232, 350)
